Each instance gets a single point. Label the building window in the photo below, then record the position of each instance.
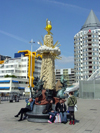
(4, 88)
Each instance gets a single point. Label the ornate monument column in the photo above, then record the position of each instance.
(44, 87)
(48, 65)
(49, 53)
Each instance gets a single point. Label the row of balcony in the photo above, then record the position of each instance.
(88, 59)
(89, 45)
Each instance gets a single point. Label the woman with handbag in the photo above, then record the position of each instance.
(71, 103)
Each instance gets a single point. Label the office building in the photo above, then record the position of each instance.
(16, 73)
(68, 74)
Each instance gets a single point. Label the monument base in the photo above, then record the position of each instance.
(36, 114)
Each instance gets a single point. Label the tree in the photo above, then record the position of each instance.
(10, 76)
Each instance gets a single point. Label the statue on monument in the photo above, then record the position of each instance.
(38, 87)
(45, 86)
(60, 93)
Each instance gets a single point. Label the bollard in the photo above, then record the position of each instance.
(11, 99)
(16, 99)
(0, 100)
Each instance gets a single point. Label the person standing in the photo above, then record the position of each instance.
(29, 107)
(71, 103)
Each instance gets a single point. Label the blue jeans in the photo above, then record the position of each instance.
(53, 116)
(63, 116)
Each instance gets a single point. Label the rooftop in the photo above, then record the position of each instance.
(91, 22)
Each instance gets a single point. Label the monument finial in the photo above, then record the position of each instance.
(48, 26)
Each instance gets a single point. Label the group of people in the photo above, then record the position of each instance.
(60, 109)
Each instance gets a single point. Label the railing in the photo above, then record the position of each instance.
(7, 98)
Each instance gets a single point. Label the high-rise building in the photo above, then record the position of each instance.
(87, 48)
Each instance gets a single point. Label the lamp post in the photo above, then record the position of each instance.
(31, 69)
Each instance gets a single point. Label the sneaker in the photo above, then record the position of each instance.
(64, 122)
(49, 121)
(24, 118)
(16, 115)
(20, 120)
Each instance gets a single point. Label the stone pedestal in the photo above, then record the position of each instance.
(37, 116)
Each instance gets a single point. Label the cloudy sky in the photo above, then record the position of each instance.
(23, 20)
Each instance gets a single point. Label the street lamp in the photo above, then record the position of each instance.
(31, 69)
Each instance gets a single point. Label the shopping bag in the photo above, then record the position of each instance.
(75, 108)
(50, 116)
(57, 118)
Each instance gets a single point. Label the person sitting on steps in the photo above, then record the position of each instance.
(29, 107)
(61, 108)
(48, 110)
(51, 112)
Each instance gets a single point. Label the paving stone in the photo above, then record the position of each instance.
(87, 116)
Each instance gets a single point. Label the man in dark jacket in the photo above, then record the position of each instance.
(29, 107)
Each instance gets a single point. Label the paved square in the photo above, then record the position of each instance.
(87, 119)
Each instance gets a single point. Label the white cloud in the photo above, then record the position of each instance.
(65, 60)
(15, 37)
(66, 5)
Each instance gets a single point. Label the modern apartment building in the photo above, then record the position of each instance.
(68, 74)
(87, 48)
(20, 69)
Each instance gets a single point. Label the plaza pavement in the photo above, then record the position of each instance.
(87, 119)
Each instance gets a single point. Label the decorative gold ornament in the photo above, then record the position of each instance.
(47, 43)
(48, 26)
